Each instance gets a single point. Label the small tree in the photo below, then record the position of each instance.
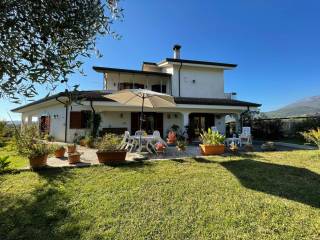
(42, 42)
(312, 136)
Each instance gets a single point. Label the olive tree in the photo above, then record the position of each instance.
(43, 41)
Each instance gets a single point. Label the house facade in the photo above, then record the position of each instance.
(197, 87)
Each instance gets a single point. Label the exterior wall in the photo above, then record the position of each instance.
(170, 119)
(114, 120)
(57, 119)
(220, 123)
(199, 82)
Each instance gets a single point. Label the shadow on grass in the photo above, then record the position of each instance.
(203, 160)
(179, 160)
(293, 183)
(40, 214)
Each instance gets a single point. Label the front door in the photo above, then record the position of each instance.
(152, 121)
(44, 124)
(200, 122)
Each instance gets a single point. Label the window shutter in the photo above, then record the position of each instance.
(75, 120)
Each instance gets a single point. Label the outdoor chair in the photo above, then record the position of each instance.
(127, 142)
(157, 137)
(245, 136)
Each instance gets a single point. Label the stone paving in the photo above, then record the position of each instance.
(89, 156)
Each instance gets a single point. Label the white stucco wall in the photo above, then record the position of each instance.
(114, 120)
(198, 82)
(170, 119)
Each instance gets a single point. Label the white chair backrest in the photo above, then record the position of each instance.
(156, 133)
(214, 129)
(139, 133)
(246, 131)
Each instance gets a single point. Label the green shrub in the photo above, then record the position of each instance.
(312, 136)
(212, 137)
(29, 144)
(110, 142)
(4, 163)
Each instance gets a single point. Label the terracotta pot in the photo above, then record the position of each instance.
(112, 157)
(211, 149)
(60, 153)
(38, 162)
(82, 142)
(74, 158)
(72, 149)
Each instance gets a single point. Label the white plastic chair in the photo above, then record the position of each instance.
(156, 135)
(246, 135)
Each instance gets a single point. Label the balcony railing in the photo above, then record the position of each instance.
(232, 95)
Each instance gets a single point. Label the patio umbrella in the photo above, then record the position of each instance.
(143, 98)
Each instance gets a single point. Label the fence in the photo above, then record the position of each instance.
(277, 128)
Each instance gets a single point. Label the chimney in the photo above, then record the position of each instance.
(176, 51)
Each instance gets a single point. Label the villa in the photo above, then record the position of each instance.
(197, 88)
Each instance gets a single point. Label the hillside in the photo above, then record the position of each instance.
(305, 107)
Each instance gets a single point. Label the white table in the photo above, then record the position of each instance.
(143, 139)
(235, 140)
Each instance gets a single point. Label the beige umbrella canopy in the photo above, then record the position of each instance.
(143, 98)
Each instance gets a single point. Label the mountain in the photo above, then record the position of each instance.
(305, 107)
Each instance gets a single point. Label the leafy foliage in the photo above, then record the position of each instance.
(110, 142)
(41, 42)
(4, 163)
(312, 136)
(212, 137)
(28, 143)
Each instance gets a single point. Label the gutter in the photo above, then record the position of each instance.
(66, 122)
(179, 79)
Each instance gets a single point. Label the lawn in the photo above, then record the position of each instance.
(272, 195)
(16, 161)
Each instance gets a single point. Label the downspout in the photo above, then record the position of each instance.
(66, 122)
(93, 115)
(179, 74)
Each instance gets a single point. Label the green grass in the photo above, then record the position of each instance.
(16, 161)
(272, 195)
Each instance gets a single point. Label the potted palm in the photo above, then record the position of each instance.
(58, 151)
(108, 150)
(212, 143)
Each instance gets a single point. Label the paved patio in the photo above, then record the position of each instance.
(89, 156)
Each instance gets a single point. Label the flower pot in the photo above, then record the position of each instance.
(38, 162)
(74, 158)
(211, 149)
(112, 157)
(72, 148)
(82, 142)
(59, 153)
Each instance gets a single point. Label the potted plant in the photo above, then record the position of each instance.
(88, 141)
(28, 144)
(172, 137)
(74, 157)
(58, 151)
(212, 143)
(108, 150)
(181, 145)
(71, 148)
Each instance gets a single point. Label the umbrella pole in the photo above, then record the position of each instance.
(141, 118)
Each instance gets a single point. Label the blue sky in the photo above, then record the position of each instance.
(275, 44)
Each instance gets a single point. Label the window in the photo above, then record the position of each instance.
(127, 85)
(80, 120)
(159, 88)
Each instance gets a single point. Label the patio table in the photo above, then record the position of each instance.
(144, 139)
